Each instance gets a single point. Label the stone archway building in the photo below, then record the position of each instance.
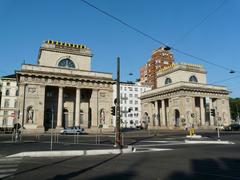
(62, 87)
(183, 87)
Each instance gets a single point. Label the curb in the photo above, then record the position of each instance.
(208, 142)
(72, 153)
(194, 136)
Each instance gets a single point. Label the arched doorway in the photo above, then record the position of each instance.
(177, 118)
(65, 118)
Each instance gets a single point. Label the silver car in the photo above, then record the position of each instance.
(73, 130)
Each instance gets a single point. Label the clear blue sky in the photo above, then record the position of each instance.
(26, 23)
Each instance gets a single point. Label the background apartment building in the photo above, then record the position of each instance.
(9, 103)
(160, 58)
(130, 103)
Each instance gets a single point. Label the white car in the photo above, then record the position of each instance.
(221, 127)
(73, 130)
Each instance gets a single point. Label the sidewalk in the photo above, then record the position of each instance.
(27, 146)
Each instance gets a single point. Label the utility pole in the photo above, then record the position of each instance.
(118, 133)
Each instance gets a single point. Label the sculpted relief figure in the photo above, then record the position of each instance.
(102, 116)
(30, 114)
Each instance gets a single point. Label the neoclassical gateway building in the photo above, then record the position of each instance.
(63, 88)
(182, 99)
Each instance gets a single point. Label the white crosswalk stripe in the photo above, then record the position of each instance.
(8, 166)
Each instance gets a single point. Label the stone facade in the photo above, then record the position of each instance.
(63, 89)
(130, 99)
(160, 58)
(183, 99)
(9, 103)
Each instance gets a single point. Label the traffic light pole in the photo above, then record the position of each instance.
(118, 133)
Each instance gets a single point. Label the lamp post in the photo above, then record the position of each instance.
(118, 133)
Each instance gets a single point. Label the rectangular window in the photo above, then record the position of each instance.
(136, 89)
(136, 102)
(15, 103)
(7, 93)
(6, 103)
(130, 115)
(136, 95)
(4, 122)
(130, 88)
(136, 108)
(130, 95)
(135, 114)
(49, 94)
(5, 113)
(130, 102)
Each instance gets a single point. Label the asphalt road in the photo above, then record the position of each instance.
(183, 161)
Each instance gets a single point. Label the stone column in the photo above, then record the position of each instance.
(163, 113)
(156, 113)
(202, 111)
(94, 106)
(77, 107)
(21, 107)
(152, 118)
(60, 107)
(40, 116)
(211, 107)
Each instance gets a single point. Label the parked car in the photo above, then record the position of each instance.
(139, 127)
(232, 127)
(73, 130)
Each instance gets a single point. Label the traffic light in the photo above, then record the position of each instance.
(113, 110)
(213, 112)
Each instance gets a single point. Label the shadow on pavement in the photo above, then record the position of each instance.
(77, 173)
(223, 168)
(39, 167)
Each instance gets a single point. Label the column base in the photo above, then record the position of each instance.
(32, 129)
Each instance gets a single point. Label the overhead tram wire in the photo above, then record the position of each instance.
(201, 22)
(124, 23)
(224, 80)
(154, 39)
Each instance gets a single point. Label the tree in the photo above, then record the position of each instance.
(234, 107)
